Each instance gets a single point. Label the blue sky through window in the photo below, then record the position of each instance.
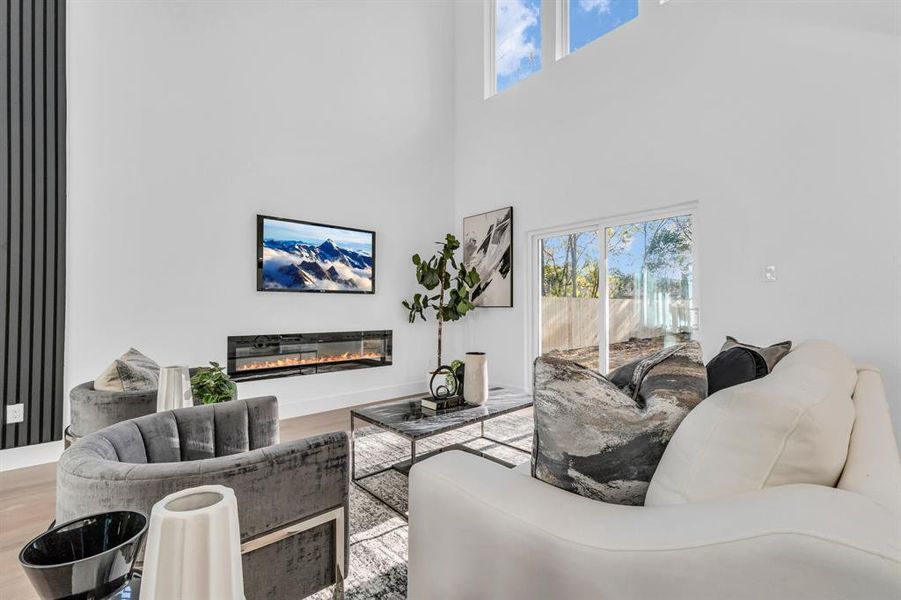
(590, 19)
(316, 234)
(517, 50)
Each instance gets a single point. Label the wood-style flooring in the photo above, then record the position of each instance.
(27, 498)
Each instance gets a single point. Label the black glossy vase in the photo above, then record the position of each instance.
(85, 559)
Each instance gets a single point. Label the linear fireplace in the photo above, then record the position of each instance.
(253, 357)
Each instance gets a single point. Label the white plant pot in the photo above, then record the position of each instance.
(194, 546)
(175, 389)
(475, 378)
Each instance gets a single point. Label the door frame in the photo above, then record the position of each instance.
(533, 296)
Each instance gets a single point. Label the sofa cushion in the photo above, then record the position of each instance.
(125, 439)
(160, 434)
(604, 443)
(196, 432)
(792, 426)
(131, 372)
(829, 359)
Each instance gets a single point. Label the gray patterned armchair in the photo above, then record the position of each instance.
(91, 410)
(292, 497)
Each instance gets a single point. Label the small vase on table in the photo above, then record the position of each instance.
(475, 383)
(175, 389)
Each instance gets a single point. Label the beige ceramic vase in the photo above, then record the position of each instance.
(475, 378)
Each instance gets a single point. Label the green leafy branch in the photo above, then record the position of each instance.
(447, 283)
(210, 385)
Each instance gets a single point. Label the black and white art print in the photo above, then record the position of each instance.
(488, 246)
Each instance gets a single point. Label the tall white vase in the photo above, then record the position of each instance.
(475, 378)
(175, 389)
(194, 547)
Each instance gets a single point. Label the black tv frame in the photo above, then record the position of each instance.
(260, 287)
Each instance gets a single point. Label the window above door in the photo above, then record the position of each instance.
(514, 43)
(581, 22)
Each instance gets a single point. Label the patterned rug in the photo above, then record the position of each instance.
(378, 535)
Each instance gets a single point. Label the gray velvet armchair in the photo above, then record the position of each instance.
(91, 410)
(292, 497)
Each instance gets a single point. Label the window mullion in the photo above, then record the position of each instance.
(561, 28)
(490, 20)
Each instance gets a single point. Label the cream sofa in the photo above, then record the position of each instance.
(479, 530)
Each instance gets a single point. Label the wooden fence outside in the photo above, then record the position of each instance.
(568, 323)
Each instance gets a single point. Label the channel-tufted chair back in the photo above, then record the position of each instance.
(133, 464)
(193, 433)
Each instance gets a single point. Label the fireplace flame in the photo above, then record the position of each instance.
(297, 361)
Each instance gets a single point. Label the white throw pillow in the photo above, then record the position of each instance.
(792, 426)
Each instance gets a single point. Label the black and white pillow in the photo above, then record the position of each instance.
(131, 372)
(597, 440)
(738, 363)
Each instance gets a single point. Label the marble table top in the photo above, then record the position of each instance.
(406, 418)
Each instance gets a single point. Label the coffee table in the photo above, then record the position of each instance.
(406, 419)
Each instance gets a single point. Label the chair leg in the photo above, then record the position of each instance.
(340, 523)
(336, 514)
(338, 593)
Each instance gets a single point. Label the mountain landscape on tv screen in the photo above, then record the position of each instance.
(304, 266)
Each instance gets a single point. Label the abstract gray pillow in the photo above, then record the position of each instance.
(131, 372)
(771, 354)
(603, 442)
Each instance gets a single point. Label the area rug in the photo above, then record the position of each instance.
(378, 534)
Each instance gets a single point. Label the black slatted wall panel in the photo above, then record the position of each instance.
(33, 231)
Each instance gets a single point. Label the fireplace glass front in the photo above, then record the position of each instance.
(282, 355)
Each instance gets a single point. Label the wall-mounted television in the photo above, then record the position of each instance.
(300, 256)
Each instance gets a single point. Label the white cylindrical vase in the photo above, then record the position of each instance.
(475, 378)
(175, 389)
(194, 547)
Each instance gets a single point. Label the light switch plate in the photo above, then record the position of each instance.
(15, 413)
(769, 273)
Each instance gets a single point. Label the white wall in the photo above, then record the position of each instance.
(780, 118)
(186, 119)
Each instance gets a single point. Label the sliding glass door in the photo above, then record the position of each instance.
(571, 293)
(616, 292)
(650, 273)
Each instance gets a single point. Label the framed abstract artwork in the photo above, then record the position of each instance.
(488, 247)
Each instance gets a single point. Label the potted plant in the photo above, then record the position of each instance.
(211, 385)
(447, 286)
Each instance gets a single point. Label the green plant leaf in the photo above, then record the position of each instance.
(210, 384)
(447, 282)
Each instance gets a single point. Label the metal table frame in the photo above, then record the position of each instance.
(402, 465)
(337, 514)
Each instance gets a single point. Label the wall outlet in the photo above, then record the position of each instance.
(15, 413)
(769, 273)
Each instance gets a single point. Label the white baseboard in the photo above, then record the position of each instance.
(298, 408)
(288, 409)
(29, 456)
